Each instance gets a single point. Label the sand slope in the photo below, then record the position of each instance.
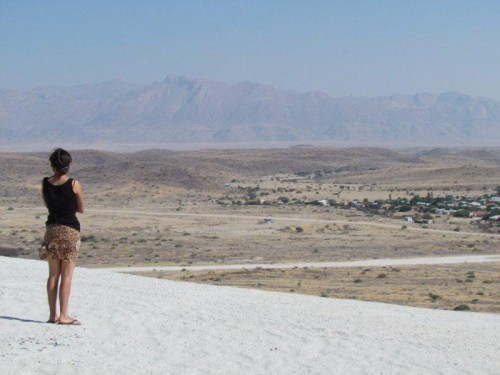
(141, 325)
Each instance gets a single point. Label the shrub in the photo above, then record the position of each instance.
(86, 238)
(462, 213)
(462, 307)
(434, 297)
(427, 216)
(284, 199)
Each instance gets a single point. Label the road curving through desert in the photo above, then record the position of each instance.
(356, 263)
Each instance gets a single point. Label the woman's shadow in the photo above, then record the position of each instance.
(21, 320)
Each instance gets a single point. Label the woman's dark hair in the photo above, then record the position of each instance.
(60, 160)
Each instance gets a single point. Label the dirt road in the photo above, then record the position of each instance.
(357, 263)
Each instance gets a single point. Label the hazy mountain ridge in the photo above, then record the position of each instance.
(181, 109)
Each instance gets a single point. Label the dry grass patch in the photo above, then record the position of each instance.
(475, 286)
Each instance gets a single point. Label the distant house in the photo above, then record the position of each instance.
(423, 204)
(357, 204)
(254, 202)
(478, 213)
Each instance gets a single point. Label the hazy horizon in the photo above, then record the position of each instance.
(362, 49)
(179, 147)
(115, 79)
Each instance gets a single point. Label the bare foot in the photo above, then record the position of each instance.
(68, 320)
(73, 322)
(53, 320)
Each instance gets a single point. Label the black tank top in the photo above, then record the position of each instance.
(61, 202)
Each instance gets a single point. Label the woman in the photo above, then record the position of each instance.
(64, 198)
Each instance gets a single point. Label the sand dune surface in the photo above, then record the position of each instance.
(140, 325)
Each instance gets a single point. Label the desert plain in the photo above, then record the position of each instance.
(305, 205)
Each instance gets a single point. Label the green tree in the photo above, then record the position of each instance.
(417, 198)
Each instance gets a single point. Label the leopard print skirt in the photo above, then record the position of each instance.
(60, 242)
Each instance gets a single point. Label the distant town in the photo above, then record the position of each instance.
(484, 209)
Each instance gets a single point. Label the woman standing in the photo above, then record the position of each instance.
(64, 198)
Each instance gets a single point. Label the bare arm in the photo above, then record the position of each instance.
(43, 197)
(80, 203)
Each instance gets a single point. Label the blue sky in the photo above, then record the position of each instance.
(361, 48)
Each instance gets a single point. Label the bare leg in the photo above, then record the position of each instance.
(52, 286)
(67, 268)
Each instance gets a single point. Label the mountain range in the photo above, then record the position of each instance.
(190, 110)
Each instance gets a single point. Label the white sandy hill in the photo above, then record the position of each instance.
(138, 325)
